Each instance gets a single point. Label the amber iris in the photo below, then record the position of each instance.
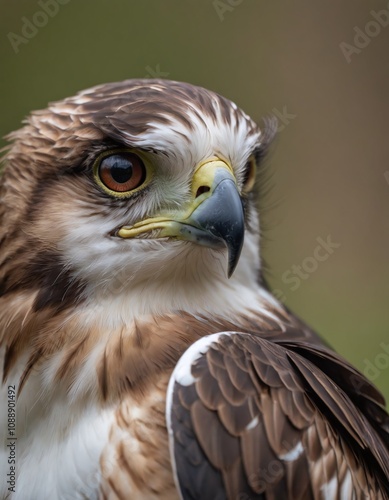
(122, 172)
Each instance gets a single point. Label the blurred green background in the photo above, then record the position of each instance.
(309, 63)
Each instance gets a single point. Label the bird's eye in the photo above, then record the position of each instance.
(249, 175)
(120, 173)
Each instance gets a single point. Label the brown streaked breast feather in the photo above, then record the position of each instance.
(135, 461)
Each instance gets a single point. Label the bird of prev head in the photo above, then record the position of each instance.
(143, 356)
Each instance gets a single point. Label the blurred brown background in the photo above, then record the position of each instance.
(321, 67)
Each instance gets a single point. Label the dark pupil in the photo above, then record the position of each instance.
(121, 170)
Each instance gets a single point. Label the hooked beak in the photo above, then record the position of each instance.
(214, 218)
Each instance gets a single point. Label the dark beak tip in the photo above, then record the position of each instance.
(233, 258)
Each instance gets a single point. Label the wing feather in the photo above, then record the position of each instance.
(265, 419)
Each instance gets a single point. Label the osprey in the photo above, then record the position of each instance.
(143, 355)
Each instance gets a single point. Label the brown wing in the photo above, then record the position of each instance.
(249, 418)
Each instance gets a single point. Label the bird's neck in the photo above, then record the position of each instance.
(113, 344)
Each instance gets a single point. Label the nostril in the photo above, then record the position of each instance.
(201, 190)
